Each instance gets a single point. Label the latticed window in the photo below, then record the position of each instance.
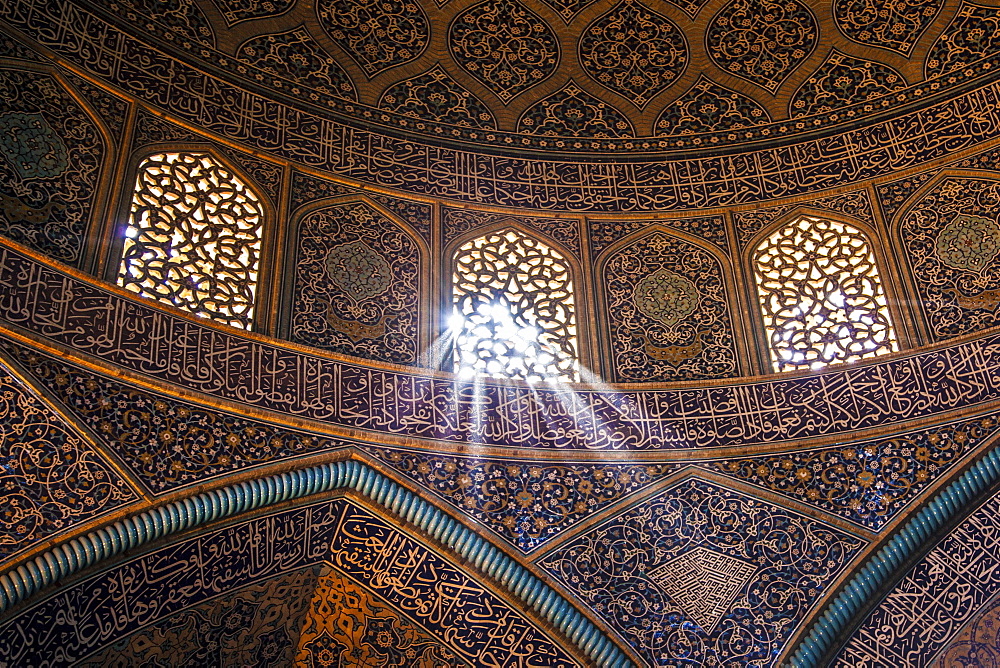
(821, 295)
(193, 237)
(514, 315)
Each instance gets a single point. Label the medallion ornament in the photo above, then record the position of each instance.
(505, 46)
(968, 243)
(435, 96)
(762, 41)
(377, 34)
(572, 112)
(634, 52)
(666, 297)
(887, 24)
(362, 273)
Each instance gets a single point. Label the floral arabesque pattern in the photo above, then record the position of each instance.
(182, 17)
(709, 107)
(515, 305)
(435, 96)
(51, 155)
(841, 81)
(612, 569)
(855, 204)
(504, 45)
(868, 483)
(235, 11)
(886, 24)
(668, 312)
(525, 503)
(356, 284)
(51, 478)
(459, 221)
(633, 51)
(973, 34)
(604, 233)
(377, 34)
(167, 443)
(193, 237)
(347, 625)
(573, 112)
(762, 41)
(951, 238)
(296, 57)
(567, 9)
(821, 295)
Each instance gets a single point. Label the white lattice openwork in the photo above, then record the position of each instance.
(821, 295)
(193, 237)
(515, 314)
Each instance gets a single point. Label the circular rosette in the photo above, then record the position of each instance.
(666, 297)
(968, 243)
(358, 270)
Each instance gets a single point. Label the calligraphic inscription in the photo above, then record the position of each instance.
(709, 107)
(952, 240)
(477, 625)
(703, 583)
(270, 554)
(504, 45)
(356, 284)
(137, 337)
(51, 155)
(771, 565)
(885, 24)
(841, 81)
(457, 222)
(52, 478)
(257, 625)
(526, 503)
(347, 625)
(972, 35)
(762, 41)
(167, 443)
(901, 141)
(978, 644)
(377, 34)
(436, 95)
(633, 51)
(668, 312)
(573, 112)
(935, 599)
(868, 483)
(298, 58)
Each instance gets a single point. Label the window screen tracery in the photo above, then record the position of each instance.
(821, 295)
(514, 309)
(193, 237)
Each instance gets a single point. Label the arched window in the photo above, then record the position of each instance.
(193, 237)
(821, 295)
(514, 311)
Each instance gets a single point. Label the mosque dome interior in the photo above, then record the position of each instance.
(501, 333)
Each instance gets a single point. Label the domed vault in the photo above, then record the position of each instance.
(499, 332)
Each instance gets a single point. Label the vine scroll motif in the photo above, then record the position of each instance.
(193, 238)
(821, 295)
(513, 296)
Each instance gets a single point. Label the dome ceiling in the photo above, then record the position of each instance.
(573, 75)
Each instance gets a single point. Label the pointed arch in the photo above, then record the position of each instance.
(820, 291)
(667, 307)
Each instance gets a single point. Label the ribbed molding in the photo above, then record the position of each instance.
(79, 553)
(884, 565)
